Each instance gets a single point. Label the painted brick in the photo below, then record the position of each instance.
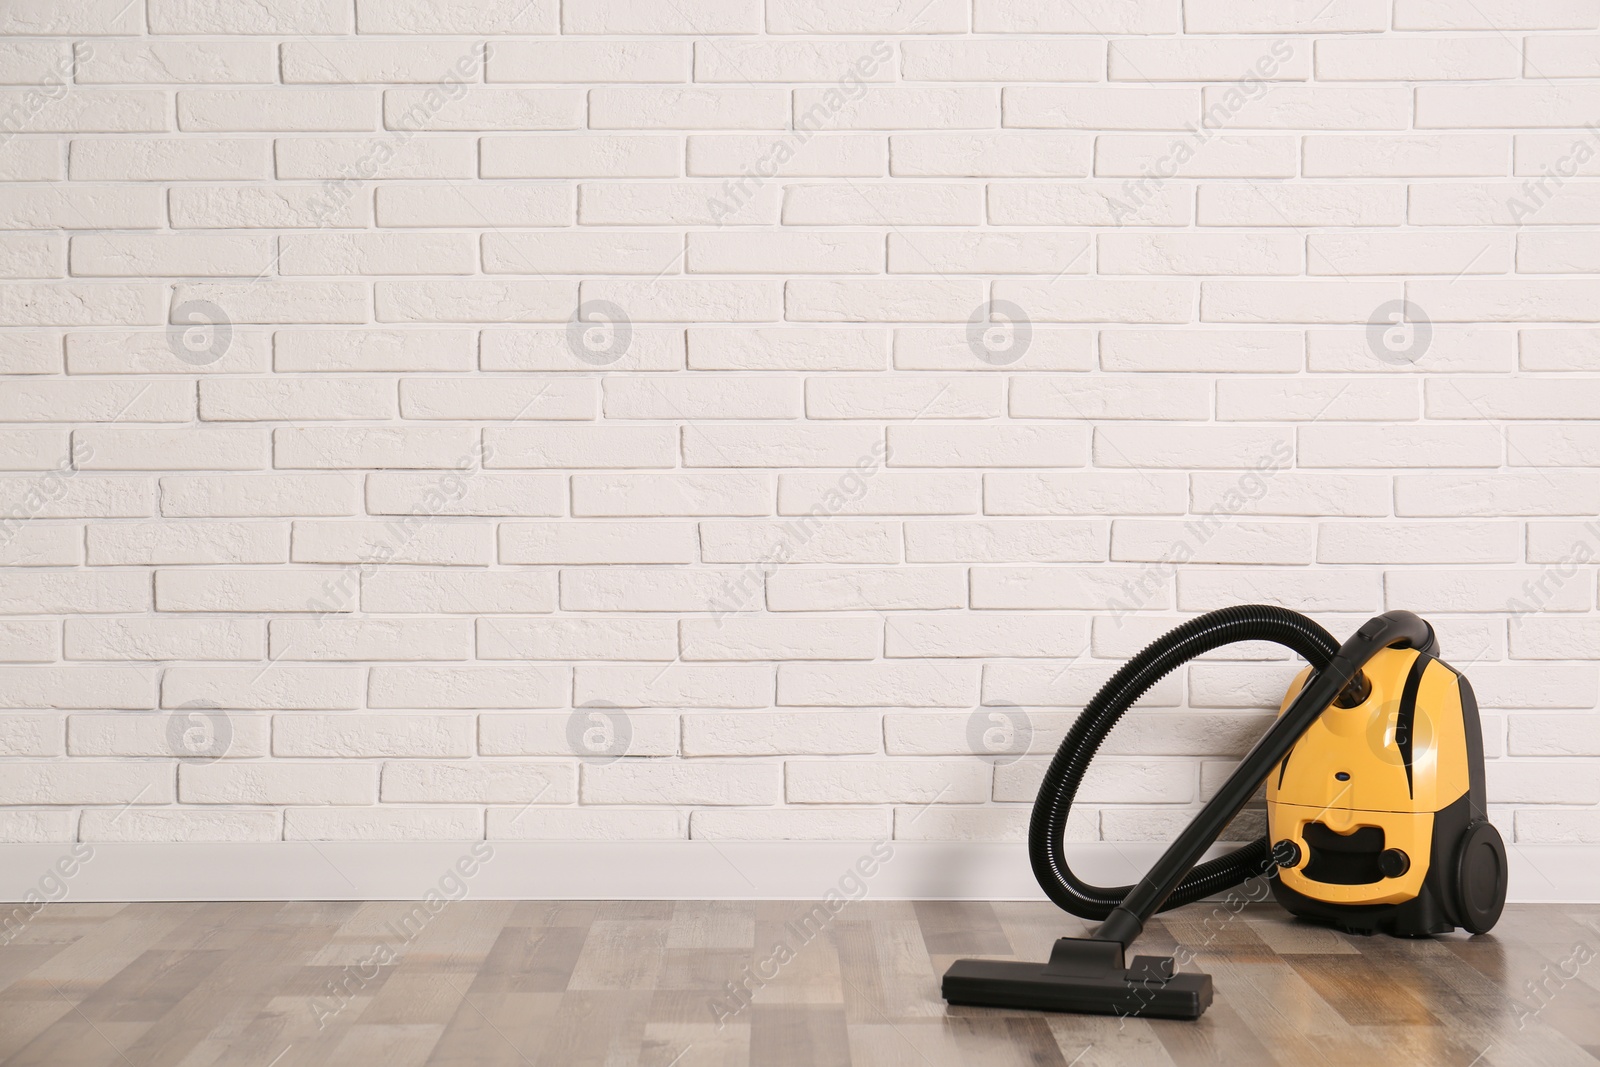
(459, 591)
(240, 736)
(801, 542)
(790, 348)
(467, 687)
(163, 159)
(781, 733)
(523, 823)
(849, 155)
(177, 824)
(953, 349)
(707, 782)
(588, 61)
(1030, 540)
(635, 733)
(374, 350)
(258, 495)
(277, 783)
(886, 781)
(1083, 493)
(382, 824)
(67, 592)
(246, 590)
(370, 639)
(866, 589)
(550, 350)
(89, 782)
(356, 736)
(351, 159)
(564, 156)
(562, 639)
(1418, 542)
(247, 17)
(779, 638)
(778, 824)
(274, 688)
(597, 542)
(466, 17)
(165, 639)
(472, 781)
(124, 544)
(1300, 204)
(475, 492)
(925, 684)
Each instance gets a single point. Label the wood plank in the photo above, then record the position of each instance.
(701, 924)
(1359, 992)
(497, 1030)
(1008, 1040)
(529, 960)
(597, 1028)
(798, 1035)
(961, 928)
(621, 954)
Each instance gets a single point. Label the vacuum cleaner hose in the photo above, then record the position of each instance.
(1249, 622)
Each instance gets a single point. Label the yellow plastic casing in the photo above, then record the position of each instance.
(1362, 743)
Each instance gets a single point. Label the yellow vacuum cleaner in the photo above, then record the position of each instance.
(1376, 815)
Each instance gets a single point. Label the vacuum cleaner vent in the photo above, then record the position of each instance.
(1344, 859)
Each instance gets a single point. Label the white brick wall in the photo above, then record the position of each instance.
(608, 419)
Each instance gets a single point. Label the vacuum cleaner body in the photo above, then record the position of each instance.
(1373, 815)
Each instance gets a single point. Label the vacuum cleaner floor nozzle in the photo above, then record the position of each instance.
(1084, 975)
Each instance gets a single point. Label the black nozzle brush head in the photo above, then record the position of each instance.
(1084, 975)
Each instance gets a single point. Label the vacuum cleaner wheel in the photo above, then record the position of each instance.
(1480, 877)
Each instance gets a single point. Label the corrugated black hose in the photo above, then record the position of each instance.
(1247, 622)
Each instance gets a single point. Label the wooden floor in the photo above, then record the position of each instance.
(647, 983)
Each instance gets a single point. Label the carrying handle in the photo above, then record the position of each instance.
(1342, 676)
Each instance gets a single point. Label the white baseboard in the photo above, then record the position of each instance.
(618, 870)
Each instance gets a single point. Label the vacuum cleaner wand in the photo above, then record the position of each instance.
(1090, 974)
